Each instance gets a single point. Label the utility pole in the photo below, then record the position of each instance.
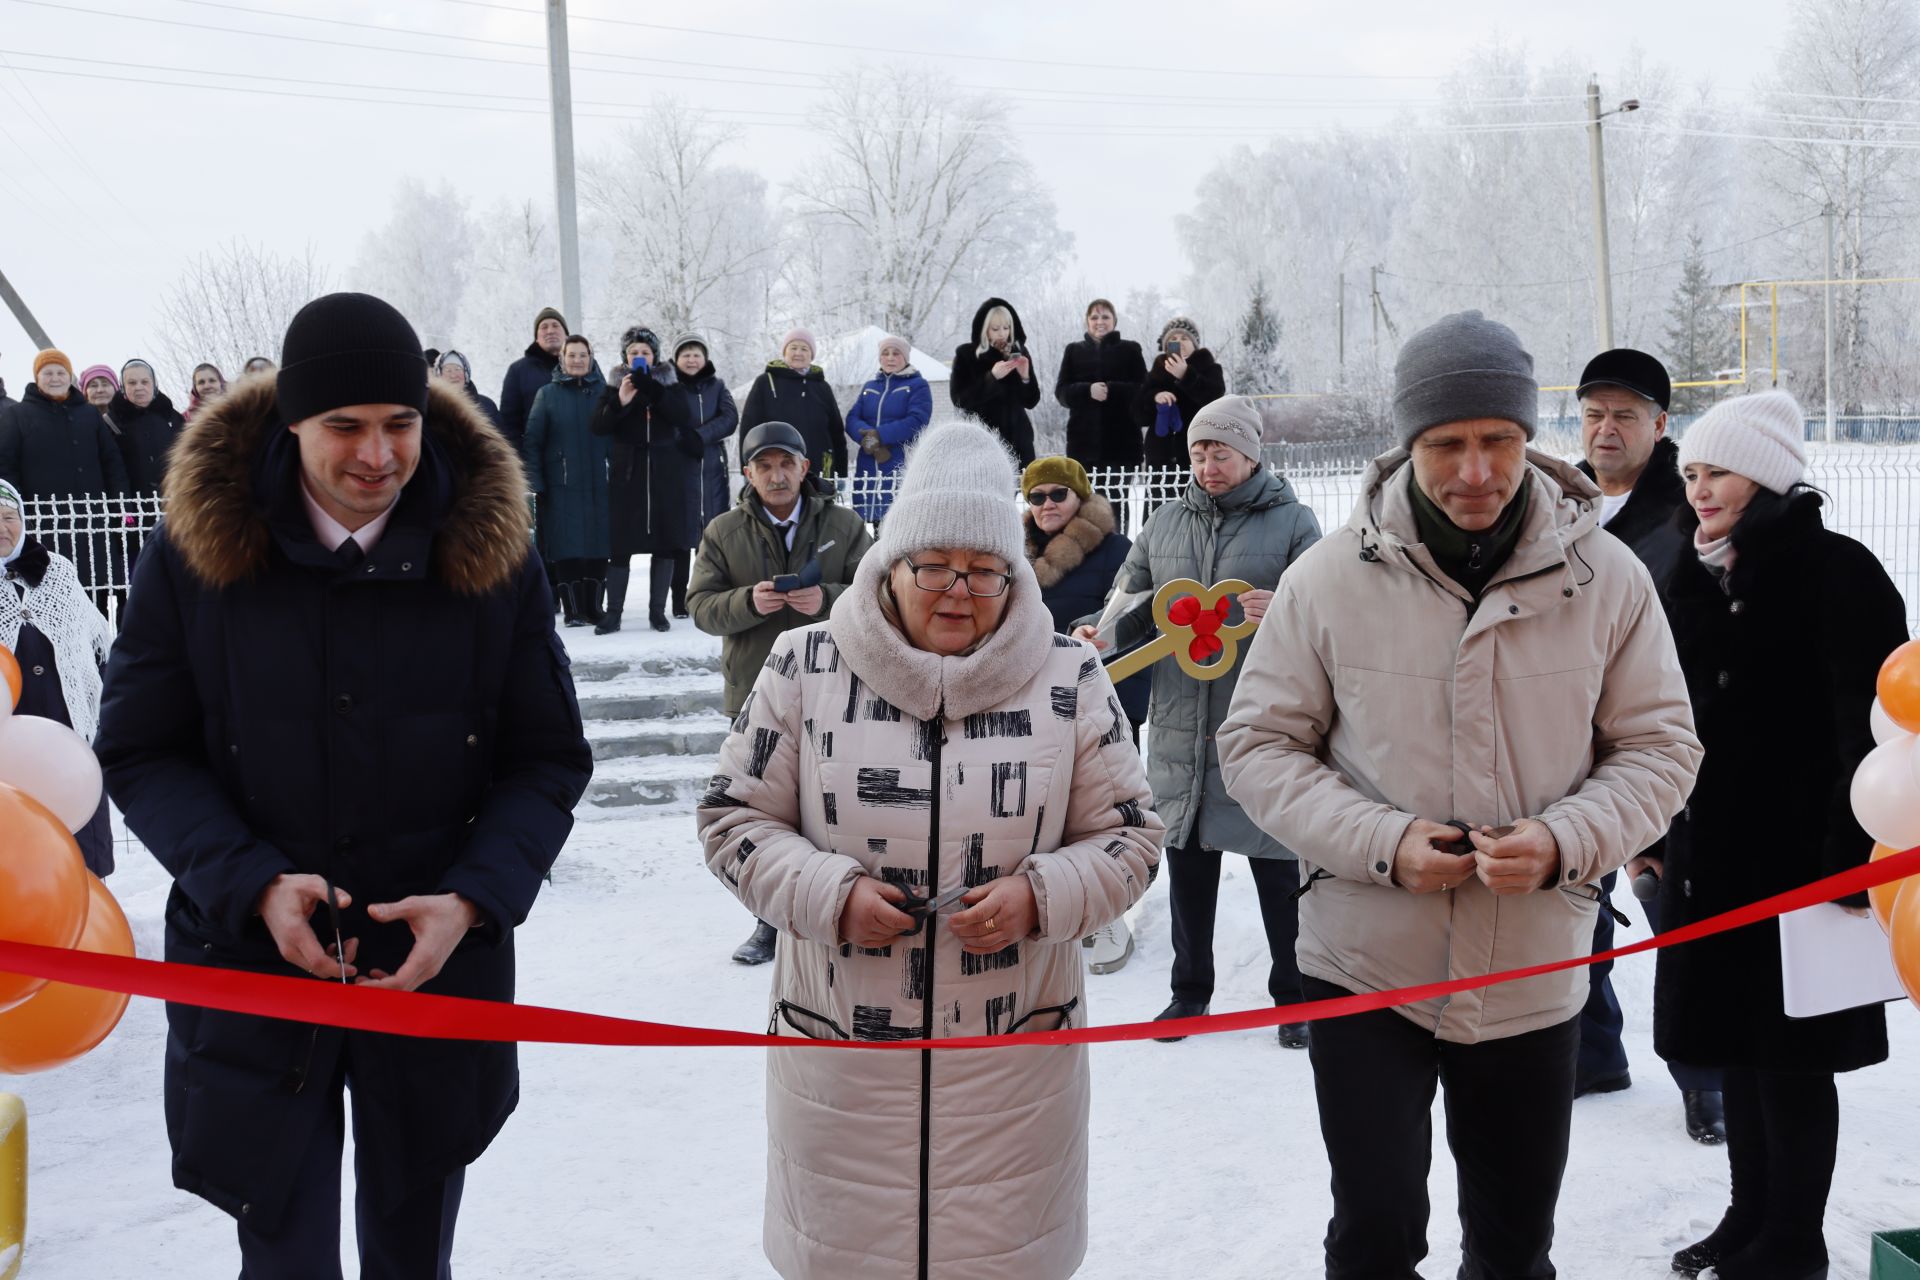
(560, 81)
(1603, 266)
(1340, 321)
(1827, 289)
(1374, 285)
(17, 305)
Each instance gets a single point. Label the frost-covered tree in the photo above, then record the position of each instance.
(1259, 366)
(692, 240)
(920, 204)
(230, 304)
(514, 271)
(420, 259)
(1835, 94)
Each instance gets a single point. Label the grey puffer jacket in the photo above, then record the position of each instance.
(1252, 533)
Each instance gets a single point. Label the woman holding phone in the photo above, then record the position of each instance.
(653, 482)
(1184, 379)
(993, 377)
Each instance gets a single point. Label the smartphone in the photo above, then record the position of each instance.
(639, 366)
(786, 582)
(1173, 346)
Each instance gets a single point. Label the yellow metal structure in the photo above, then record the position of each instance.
(13, 1184)
(1174, 638)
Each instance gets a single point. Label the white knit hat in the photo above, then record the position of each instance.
(956, 491)
(1761, 437)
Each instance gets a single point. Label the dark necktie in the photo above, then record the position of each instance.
(350, 554)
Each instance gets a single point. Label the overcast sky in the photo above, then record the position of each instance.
(108, 181)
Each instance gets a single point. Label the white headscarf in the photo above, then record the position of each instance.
(10, 497)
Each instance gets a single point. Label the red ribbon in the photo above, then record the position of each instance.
(412, 1013)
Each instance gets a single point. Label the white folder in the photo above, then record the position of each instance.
(1830, 960)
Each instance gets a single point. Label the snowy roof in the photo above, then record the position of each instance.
(855, 357)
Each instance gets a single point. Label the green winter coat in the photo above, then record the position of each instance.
(740, 549)
(1252, 533)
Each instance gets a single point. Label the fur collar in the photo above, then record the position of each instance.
(219, 523)
(925, 684)
(1068, 549)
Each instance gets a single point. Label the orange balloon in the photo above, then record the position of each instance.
(43, 884)
(58, 1023)
(1899, 686)
(1882, 895)
(10, 672)
(1905, 931)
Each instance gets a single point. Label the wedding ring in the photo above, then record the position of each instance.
(991, 924)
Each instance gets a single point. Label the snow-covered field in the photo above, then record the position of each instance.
(649, 1163)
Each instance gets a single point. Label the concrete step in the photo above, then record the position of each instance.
(607, 670)
(697, 734)
(648, 780)
(659, 699)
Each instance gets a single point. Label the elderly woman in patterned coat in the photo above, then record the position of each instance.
(933, 798)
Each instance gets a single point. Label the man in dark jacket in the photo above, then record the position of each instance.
(54, 445)
(337, 685)
(531, 372)
(1624, 396)
(781, 526)
(1099, 376)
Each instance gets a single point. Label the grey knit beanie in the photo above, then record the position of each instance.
(1233, 421)
(1760, 436)
(956, 491)
(1460, 367)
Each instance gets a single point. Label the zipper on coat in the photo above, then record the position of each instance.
(926, 1031)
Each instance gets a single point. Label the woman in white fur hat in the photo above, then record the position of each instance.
(1781, 626)
(933, 798)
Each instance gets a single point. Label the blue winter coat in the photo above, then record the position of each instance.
(897, 407)
(1076, 568)
(406, 725)
(567, 467)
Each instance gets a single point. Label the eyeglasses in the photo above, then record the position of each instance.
(939, 578)
(1041, 497)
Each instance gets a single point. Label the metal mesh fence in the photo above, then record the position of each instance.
(1874, 492)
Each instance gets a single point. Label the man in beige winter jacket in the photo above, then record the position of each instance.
(1470, 648)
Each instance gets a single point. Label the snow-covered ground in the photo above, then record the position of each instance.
(649, 1163)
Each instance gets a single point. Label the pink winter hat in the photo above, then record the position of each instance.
(93, 371)
(897, 343)
(797, 334)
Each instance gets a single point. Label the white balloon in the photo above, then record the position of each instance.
(1886, 797)
(1884, 729)
(55, 766)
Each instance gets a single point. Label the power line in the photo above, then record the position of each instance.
(1064, 95)
(625, 110)
(956, 54)
(1631, 271)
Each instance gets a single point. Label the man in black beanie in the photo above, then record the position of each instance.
(338, 715)
(1462, 709)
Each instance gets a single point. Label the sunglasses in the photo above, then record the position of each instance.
(1041, 497)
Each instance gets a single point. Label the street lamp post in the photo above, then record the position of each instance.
(1603, 268)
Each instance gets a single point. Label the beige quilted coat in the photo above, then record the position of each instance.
(852, 752)
(1376, 692)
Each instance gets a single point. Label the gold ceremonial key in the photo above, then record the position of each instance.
(1193, 628)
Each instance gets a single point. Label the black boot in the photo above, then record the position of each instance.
(682, 569)
(569, 605)
(1706, 1118)
(758, 948)
(1732, 1235)
(659, 579)
(587, 600)
(1179, 1009)
(617, 578)
(1294, 1035)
